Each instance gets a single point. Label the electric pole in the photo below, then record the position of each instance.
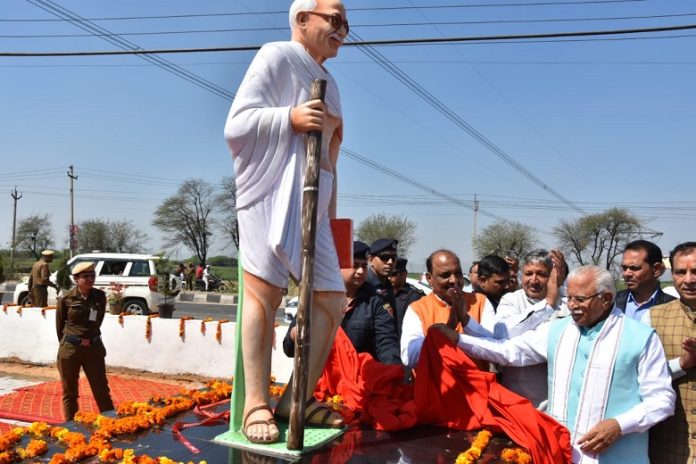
(473, 236)
(72, 211)
(15, 196)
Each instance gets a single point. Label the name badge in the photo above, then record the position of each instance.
(92, 314)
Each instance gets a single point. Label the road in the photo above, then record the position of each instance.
(193, 309)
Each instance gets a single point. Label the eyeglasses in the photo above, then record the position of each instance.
(335, 19)
(581, 299)
(386, 257)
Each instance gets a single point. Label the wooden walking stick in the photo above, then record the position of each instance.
(310, 197)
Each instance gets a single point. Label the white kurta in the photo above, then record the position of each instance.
(269, 162)
(514, 308)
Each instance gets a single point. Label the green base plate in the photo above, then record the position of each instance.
(314, 437)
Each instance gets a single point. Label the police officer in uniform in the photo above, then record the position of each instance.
(381, 260)
(79, 316)
(369, 319)
(404, 293)
(40, 280)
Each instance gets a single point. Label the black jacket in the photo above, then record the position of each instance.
(622, 297)
(382, 288)
(404, 297)
(369, 325)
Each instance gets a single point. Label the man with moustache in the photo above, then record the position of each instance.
(543, 272)
(404, 293)
(608, 376)
(641, 266)
(266, 132)
(674, 440)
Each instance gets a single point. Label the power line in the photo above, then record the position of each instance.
(284, 12)
(443, 109)
(124, 44)
(134, 50)
(356, 26)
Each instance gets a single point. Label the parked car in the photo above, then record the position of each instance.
(291, 309)
(136, 271)
(421, 285)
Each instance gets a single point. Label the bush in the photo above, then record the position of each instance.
(222, 261)
(2, 271)
(63, 275)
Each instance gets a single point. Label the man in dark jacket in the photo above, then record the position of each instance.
(369, 319)
(404, 293)
(381, 261)
(642, 268)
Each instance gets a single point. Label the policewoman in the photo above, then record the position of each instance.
(79, 316)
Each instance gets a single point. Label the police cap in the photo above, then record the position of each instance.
(360, 250)
(400, 265)
(383, 244)
(86, 266)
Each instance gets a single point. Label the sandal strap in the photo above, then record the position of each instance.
(325, 409)
(263, 421)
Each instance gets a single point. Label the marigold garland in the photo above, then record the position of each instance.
(182, 326)
(476, 449)
(4, 309)
(203, 322)
(218, 332)
(516, 456)
(120, 319)
(19, 310)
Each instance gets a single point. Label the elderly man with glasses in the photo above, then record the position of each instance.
(608, 376)
(266, 132)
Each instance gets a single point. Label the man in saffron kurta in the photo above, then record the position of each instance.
(439, 308)
(266, 133)
(608, 376)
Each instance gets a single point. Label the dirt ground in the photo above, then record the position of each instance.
(13, 367)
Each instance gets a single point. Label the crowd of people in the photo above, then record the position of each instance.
(615, 368)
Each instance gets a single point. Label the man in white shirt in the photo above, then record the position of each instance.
(543, 273)
(608, 376)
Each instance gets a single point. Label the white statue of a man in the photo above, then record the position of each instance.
(266, 131)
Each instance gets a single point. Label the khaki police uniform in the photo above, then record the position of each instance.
(78, 320)
(40, 280)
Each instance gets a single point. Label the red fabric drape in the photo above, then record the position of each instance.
(449, 391)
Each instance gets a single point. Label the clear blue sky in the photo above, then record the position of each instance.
(603, 122)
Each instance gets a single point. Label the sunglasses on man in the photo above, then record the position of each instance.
(335, 19)
(386, 257)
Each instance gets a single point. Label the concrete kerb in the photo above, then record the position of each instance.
(205, 297)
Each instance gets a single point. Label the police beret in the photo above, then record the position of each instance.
(401, 264)
(47, 253)
(360, 250)
(383, 244)
(86, 266)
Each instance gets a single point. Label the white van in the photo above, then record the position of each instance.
(137, 272)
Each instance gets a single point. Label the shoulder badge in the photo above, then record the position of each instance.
(388, 308)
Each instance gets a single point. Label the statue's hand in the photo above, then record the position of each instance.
(308, 116)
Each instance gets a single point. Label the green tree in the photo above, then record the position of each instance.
(186, 218)
(228, 204)
(106, 235)
(63, 275)
(384, 226)
(34, 234)
(503, 236)
(598, 238)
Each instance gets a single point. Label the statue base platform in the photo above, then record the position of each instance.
(314, 438)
